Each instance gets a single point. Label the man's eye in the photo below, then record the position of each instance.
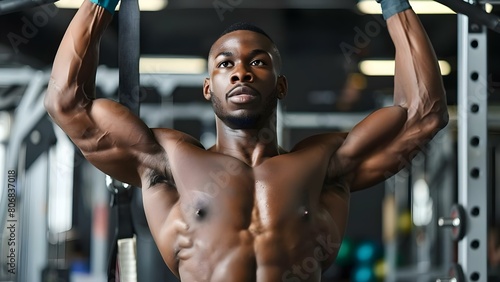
(257, 63)
(225, 64)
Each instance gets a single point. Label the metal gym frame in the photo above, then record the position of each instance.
(472, 121)
(472, 117)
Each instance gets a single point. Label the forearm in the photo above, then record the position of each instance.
(72, 80)
(418, 84)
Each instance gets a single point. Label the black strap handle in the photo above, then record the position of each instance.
(128, 54)
(129, 96)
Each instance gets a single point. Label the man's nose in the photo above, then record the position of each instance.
(241, 73)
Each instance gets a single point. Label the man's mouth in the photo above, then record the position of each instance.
(243, 90)
(242, 95)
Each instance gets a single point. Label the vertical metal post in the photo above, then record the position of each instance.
(472, 146)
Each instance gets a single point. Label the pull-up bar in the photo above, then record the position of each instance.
(11, 6)
(475, 13)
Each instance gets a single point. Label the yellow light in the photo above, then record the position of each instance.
(172, 65)
(386, 67)
(144, 5)
(419, 6)
(445, 67)
(68, 4)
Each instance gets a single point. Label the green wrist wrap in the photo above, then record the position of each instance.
(391, 7)
(109, 5)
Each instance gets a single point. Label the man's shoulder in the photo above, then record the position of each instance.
(331, 140)
(166, 137)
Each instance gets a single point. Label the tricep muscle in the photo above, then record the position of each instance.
(111, 138)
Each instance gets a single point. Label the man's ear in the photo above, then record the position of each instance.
(206, 89)
(282, 86)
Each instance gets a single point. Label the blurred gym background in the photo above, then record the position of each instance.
(337, 58)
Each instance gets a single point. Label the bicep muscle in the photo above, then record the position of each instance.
(370, 149)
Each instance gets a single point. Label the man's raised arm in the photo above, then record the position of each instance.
(108, 134)
(387, 140)
(77, 58)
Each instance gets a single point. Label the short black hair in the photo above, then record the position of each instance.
(245, 26)
(252, 27)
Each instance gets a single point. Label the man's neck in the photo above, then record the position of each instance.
(251, 146)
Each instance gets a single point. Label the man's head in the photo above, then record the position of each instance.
(251, 27)
(244, 66)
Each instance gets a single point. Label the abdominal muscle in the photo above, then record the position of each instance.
(222, 254)
(261, 261)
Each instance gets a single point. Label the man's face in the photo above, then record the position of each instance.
(244, 85)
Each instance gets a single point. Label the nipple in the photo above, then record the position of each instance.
(304, 211)
(200, 213)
